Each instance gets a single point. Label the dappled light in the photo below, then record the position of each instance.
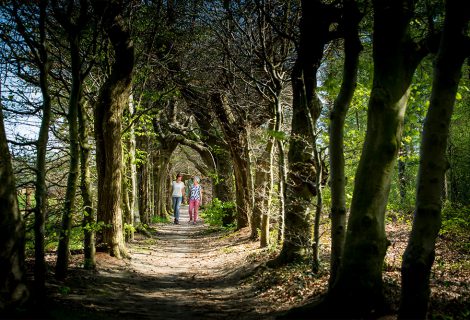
(255, 159)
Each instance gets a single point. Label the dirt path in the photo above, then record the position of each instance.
(183, 272)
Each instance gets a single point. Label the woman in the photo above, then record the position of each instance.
(195, 198)
(177, 188)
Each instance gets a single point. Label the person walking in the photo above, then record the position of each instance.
(195, 198)
(177, 195)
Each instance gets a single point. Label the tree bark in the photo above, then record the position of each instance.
(264, 181)
(224, 188)
(318, 212)
(402, 176)
(262, 191)
(89, 221)
(359, 280)
(237, 137)
(142, 177)
(112, 99)
(13, 290)
(133, 203)
(352, 49)
(63, 252)
(262, 187)
(282, 189)
(300, 186)
(40, 210)
(126, 207)
(161, 182)
(419, 254)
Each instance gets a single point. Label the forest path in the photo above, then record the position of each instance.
(184, 271)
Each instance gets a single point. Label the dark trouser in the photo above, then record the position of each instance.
(176, 207)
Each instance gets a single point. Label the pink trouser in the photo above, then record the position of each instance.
(193, 204)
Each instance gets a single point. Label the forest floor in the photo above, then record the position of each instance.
(195, 272)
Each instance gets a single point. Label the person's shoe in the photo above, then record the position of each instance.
(176, 221)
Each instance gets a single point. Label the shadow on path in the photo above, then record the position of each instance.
(184, 272)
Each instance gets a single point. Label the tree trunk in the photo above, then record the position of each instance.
(266, 214)
(318, 211)
(282, 189)
(401, 175)
(63, 252)
(224, 188)
(262, 190)
(113, 97)
(269, 177)
(40, 211)
(359, 280)
(419, 254)
(143, 192)
(13, 290)
(352, 49)
(133, 203)
(299, 187)
(126, 207)
(161, 181)
(242, 184)
(306, 105)
(153, 186)
(88, 221)
(237, 138)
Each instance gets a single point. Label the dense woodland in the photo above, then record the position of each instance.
(298, 114)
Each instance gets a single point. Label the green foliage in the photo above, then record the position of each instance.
(64, 290)
(158, 219)
(216, 210)
(97, 226)
(273, 235)
(140, 157)
(216, 178)
(455, 219)
(128, 229)
(458, 148)
(278, 135)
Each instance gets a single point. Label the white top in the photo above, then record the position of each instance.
(178, 188)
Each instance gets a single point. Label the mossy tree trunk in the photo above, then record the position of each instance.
(142, 178)
(89, 216)
(300, 184)
(112, 99)
(263, 188)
